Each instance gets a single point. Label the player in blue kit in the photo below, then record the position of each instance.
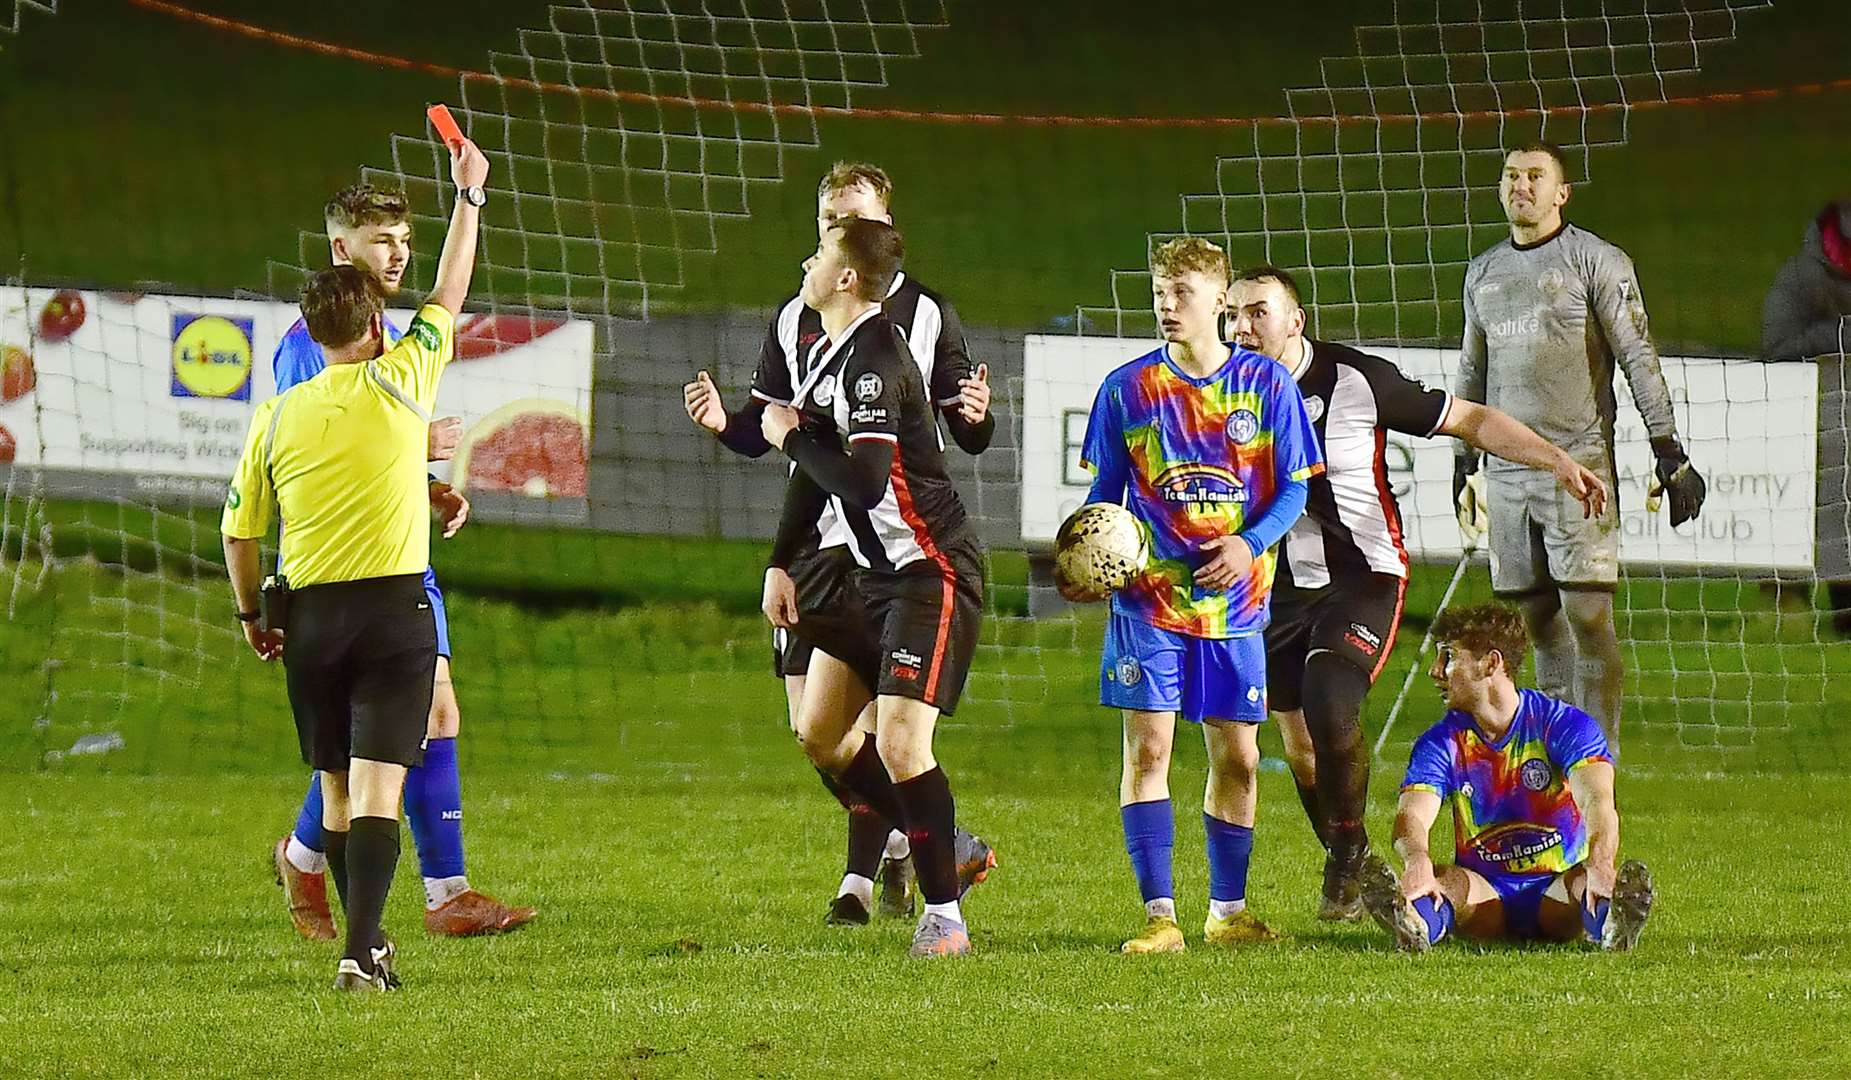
(1536, 832)
(1210, 447)
(371, 228)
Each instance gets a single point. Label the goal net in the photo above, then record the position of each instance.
(604, 598)
(1377, 187)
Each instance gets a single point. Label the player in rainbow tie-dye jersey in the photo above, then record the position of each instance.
(1210, 447)
(1530, 780)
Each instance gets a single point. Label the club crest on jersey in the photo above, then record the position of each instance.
(1314, 408)
(1243, 426)
(1550, 282)
(1128, 671)
(868, 387)
(1535, 774)
(1208, 485)
(825, 392)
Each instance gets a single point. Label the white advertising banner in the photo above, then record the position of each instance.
(1750, 428)
(163, 387)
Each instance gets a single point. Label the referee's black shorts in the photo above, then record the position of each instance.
(928, 616)
(360, 658)
(829, 613)
(1354, 617)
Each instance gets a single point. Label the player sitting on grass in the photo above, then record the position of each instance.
(1210, 447)
(370, 228)
(1531, 785)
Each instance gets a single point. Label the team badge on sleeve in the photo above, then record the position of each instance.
(425, 334)
(868, 387)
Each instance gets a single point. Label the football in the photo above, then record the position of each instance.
(1100, 548)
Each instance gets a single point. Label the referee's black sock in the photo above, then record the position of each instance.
(372, 855)
(931, 821)
(334, 846)
(866, 777)
(867, 830)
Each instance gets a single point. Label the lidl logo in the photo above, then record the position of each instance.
(212, 357)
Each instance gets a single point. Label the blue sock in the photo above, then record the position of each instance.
(1438, 917)
(1595, 921)
(1150, 840)
(434, 810)
(1230, 848)
(308, 819)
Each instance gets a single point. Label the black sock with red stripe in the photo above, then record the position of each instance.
(867, 830)
(866, 780)
(931, 821)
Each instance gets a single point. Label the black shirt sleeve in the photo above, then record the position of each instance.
(951, 364)
(803, 505)
(1401, 404)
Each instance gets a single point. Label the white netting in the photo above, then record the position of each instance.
(1380, 184)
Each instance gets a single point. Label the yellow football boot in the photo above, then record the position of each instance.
(1160, 935)
(1240, 928)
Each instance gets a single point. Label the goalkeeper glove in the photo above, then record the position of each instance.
(1675, 477)
(1469, 496)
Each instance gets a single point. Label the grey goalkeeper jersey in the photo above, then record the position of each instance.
(1544, 324)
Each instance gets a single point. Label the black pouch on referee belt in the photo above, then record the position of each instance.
(275, 602)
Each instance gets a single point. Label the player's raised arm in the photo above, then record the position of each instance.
(1484, 427)
(457, 264)
(961, 389)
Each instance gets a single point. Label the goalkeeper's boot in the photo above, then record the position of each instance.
(846, 910)
(1240, 928)
(896, 877)
(1395, 913)
(1632, 905)
(1342, 899)
(306, 894)
(975, 859)
(939, 936)
(470, 913)
(1160, 935)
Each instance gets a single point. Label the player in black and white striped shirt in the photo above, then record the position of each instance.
(865, 433)
(1337, 597)
(808, 595)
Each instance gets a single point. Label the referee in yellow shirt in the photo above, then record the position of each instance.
(341, 457)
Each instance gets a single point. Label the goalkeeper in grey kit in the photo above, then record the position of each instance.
(1547, 314)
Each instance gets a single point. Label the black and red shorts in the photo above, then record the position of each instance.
(830, 614)
(1354, 617)
(928, 616)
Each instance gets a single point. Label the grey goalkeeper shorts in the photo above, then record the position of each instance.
(1540, 540)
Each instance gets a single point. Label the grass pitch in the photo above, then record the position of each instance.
(681, 898)
(627, 769)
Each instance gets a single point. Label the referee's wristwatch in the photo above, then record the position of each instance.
(473, 195)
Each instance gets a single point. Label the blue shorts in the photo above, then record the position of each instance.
(1521, 896)
(1157, 670)
(437, 612)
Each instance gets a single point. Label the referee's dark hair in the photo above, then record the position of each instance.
(339, 303)
(874, 250)
(1263, 272)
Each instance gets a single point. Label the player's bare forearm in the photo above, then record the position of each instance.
(1497, 432)
(1414, 818)
(1592, 787)
(244, 564)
